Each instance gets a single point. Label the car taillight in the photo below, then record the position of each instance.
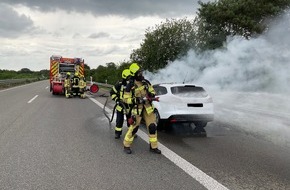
(173, 120)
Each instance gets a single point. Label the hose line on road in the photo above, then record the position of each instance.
(113, 113)
(105, 113)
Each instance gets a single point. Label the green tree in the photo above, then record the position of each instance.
(25, 70)
(87, 72)
(111, 73)
(105, 74)
(247, 18)
(164, 43)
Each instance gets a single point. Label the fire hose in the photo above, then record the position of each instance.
(133, 118)
(114, 109)
(105, 113)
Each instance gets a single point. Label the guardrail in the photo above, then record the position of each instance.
(89, 83)
(104, 84)
(14, 82)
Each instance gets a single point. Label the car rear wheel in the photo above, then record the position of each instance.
(157, 116)
(200, 124)
(160, 124)
(199, 129)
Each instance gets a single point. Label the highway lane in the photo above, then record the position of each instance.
(59, 143)
(236, 159)
(41, 149)
(238, 156)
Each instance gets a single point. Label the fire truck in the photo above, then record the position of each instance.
(59, 67)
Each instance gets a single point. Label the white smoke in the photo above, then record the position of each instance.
(260, 64)
(249, 81)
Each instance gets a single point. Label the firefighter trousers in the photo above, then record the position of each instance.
(67, 92)
(120, 122)
(150, 121)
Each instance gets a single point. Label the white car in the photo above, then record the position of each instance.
(183, 103)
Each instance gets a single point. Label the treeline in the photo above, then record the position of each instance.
(24, 73)
(215, 21)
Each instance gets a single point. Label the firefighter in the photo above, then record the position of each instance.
(82, 86)
(139, 93)
(67, 85)
(75, 84)
(117, 95)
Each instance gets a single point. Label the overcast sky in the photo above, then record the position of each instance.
(100, 31)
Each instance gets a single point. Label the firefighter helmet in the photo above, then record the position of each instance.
(134, 67)
(126, 73)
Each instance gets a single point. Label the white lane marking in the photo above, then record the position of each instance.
(46, 87)
(32, 99)
(101, 105)
(207, 181)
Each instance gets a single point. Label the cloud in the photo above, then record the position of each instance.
(99, 35)
(128, 8)
(13, 24)
(97, 30)
(104, 50)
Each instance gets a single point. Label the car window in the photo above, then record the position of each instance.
(160, 90)
(188, 91)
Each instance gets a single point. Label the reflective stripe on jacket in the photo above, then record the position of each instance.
(117, 94)
(139, 90)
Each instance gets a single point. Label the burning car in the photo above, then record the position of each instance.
(183, 103)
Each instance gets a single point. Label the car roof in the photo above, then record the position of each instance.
(175, 84)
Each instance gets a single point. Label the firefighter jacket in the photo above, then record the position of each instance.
(117, 93)
(75, 81)
(82, 83)
(67, 82)
(136, 94)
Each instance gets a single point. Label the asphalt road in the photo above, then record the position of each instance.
(50, 142)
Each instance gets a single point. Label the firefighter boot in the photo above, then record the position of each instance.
(117, 135)
(155, 150)
(127, 150)
(83, 96)
(118, 132)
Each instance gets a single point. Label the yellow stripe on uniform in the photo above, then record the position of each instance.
(153, 139)
(119, 108)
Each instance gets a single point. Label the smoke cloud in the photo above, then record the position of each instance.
(260, 64)
(249, 81)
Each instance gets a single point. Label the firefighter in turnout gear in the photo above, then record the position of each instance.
(82, 86)
(117, 93)
(67, 85)
(139, 93)
(75, 84)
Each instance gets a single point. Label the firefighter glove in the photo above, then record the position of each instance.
(132, 120)
(139, 100)
(151, 95)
